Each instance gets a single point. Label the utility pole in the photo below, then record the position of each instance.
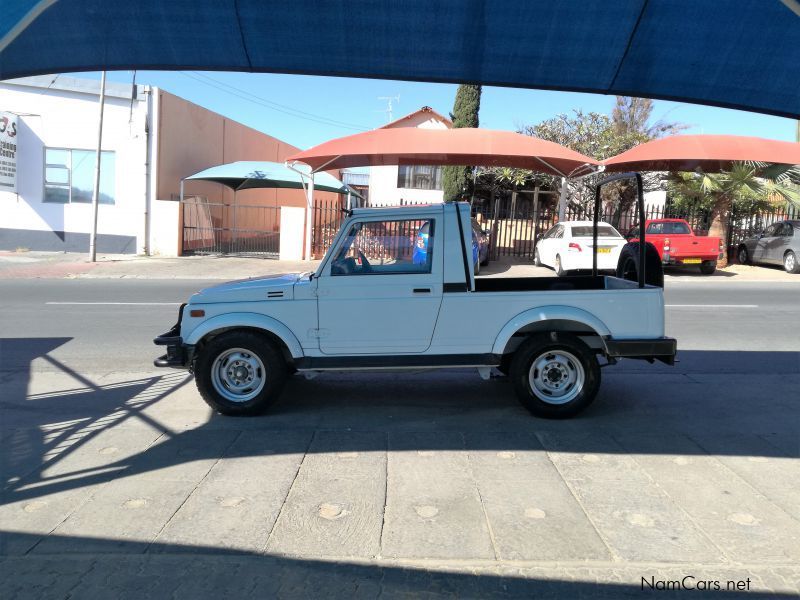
(96, 193)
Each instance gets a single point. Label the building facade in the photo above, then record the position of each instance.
(390, 185)
(151, 140)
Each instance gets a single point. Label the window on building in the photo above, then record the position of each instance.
(69, 176)
(419, 177)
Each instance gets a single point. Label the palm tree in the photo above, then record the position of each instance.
(746, 185)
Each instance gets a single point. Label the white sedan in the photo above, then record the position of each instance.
(568, 246)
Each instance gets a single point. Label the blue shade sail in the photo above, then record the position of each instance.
(735, 53)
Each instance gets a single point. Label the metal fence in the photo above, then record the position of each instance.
(216, 228)
(515, 222)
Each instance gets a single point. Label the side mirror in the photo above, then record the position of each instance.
(539, 237)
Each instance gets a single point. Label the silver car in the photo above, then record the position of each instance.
(778, 245)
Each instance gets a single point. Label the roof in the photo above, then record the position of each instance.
(426, 110)
(463, 146)
(736, 53)
(247, 174)
(707, 152)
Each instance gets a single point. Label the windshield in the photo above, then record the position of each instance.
(670, 228)
(602, 231)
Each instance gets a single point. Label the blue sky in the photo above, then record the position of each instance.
(301, 109)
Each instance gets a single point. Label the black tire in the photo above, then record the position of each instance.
(708, 267)
(255, 349)
(743, 256)
(563, 354)
(790, 263)
(628, 264)
(559, 269)
(537, 260)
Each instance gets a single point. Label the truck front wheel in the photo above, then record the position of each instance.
(555, 375)
(240, 373)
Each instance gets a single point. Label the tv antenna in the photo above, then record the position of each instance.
(388, 109)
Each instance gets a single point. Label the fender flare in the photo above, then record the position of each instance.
(251, 320)
(548, 313)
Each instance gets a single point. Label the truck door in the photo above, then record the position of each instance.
(381, 290)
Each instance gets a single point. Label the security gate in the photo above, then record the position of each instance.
(232, 229)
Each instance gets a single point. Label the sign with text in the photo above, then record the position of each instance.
(8, 152)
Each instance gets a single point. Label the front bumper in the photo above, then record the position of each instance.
(662, 349)
(179, 355)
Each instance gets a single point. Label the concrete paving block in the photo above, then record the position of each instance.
(639, 522)
(224, 515)
(746, 525)
(433, 508)
(262, 456)
(335, 506)
(29, 514)
(96, 451)
(591, 456)
(182, 456)
(508, 456)
(124, 516)
(539, 520)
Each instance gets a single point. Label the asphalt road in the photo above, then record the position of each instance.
(106, 325)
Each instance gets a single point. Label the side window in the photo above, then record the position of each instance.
(787, 230)
(771, 230)
(386, 248)
(655, 228)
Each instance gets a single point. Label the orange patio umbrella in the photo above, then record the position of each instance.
(464, 146)
(710, 153)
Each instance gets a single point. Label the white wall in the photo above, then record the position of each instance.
(68, 119)
(383, 180)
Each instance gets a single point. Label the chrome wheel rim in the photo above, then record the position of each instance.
(788, 262)
(238, 375)
(556, 377)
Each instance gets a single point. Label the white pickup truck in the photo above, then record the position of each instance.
(397, 291)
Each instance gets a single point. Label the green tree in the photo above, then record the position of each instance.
(632, 116)
(746, 187)
(458, 180)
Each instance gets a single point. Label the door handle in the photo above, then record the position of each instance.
(422, 290)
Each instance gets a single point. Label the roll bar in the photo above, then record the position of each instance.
(639, 210)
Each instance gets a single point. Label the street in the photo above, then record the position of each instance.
(118, 478)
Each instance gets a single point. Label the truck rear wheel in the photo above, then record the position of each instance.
(555, 375)
(240, 373)
(708, 267)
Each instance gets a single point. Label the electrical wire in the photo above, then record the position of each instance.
(287, 110)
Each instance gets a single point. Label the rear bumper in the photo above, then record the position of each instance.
(662, 349)
(677, 261)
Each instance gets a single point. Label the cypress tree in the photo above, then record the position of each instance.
(457, 180)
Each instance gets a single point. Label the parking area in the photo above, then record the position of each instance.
(118, 480)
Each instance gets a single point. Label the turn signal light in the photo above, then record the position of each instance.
(574, 246)
(197, 313)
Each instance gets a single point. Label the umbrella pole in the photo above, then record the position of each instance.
(309, 206)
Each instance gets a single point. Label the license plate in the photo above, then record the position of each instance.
(604, 250)
(692, 261)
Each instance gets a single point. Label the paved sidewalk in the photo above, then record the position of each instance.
(124, 485)
(33, 265)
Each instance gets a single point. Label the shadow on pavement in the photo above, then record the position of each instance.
(169, 571)
(713, 403)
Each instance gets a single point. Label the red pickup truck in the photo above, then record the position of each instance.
(678, 246)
